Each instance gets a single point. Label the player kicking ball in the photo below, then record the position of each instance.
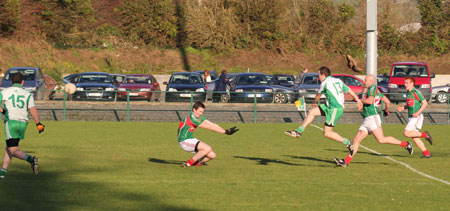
(333, 89)
(372, 122)
(416, 104)
(16, 102)
(203, 152)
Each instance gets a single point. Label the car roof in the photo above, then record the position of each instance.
(117, 74)
(94, 73)
(139, 75)
(186, 73)
(283, 75)
(251, 74)
(421, 63)
(23, 68)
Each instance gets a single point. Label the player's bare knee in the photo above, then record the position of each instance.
(407, 133)
(211, 155)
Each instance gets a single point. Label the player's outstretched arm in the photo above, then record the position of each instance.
(34, 114)
(212, 126)
(421, 109)
(358, 101)
(316, 99)
(387, 103)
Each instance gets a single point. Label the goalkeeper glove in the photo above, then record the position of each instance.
(385, 113)
(231, 131)
(40, 127)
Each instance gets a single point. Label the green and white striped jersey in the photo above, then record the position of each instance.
(334, 89)
(16, 101)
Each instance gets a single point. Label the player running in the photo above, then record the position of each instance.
(372, 122)
(203, 152)
(333, 89)
(416, 104)
(16, 102)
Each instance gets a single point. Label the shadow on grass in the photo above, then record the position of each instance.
(173, 162)
(310, 158)
(21, 190)
(266, 161)
(369, 153)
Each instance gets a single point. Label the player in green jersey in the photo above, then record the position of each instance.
(416, 104)
(333, 89)
(16, 102)
(372, 122)
(203, 152)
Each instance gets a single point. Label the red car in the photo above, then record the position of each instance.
(355, 84)
(139, 87)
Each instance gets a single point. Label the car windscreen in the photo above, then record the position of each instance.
(286, 79)
(410, 70)
(252, 80)
(186, 79)
(381, 80)
(94, 78)
(310, 79)
(137, 80)
(28, 75)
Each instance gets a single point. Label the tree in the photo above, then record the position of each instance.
(68, 23)
(9, 16)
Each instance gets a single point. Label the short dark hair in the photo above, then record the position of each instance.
(325, 71)
(410, 79)
(197, 105)
(17, 78)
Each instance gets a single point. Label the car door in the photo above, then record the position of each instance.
(354, 84)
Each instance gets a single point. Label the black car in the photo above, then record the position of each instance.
(284, 80)
(94, 86)
(248, 86)
(184, 85)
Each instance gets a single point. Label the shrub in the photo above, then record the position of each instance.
(9, 16)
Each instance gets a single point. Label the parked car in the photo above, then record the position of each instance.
(284, 80)
(383, 82)
(139, 87)
(209, 85)
(309, 87)
(94, 86)
(247, 86)
(33, 80)
(400, 70)
(72, 78)
(282, 94)
(441, 93)
(184, 85)
(117, 79)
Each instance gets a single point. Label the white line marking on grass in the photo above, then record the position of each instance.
(399, 162)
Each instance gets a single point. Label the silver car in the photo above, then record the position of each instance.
(441, 93)
(309, 87)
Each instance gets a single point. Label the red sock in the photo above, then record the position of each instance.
(403, 144)
(348, 159)
(424, 135)
(190, 162)
(426, 153)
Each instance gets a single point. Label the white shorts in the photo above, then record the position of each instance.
(371, 123)
(189, 145)
(414, 123)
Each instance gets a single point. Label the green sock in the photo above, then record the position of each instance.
(3, 172)
(29, 158)
(301, 129)
(346, 141)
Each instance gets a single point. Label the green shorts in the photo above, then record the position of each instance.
(15, 129)
(332, 115)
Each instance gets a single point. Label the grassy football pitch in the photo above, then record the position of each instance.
(136, 166)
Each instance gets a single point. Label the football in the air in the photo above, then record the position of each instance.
(70, 88)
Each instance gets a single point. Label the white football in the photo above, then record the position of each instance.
(70, 88)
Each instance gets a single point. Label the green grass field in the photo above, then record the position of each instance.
(136, 166)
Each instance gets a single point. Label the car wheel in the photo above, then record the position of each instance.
(442, 97)
(280, 97)
(224, 98)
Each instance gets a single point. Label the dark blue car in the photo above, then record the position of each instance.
(94, 86)
(33, 81)
(184, 85)
(248, 86)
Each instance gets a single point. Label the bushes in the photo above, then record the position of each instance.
(68, 23)
(9, 16)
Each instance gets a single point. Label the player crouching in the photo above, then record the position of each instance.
(203, 152)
